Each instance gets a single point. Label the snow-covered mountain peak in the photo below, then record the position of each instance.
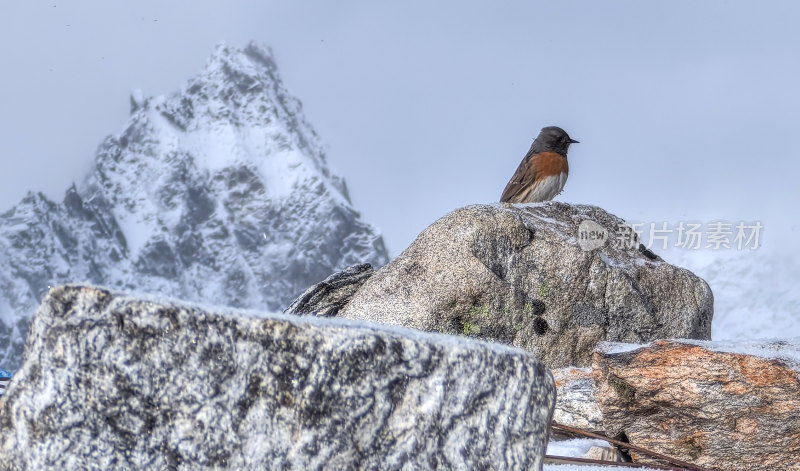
(235, 112)
(217, 193)
(235, 118)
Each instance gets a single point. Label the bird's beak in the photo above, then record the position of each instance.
(573, 141)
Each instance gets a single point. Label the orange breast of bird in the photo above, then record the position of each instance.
(548, 164)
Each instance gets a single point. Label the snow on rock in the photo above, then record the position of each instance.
(577, 447)
(115, 381)
(786, 350)
(217, 193)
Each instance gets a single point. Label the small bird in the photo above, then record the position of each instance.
(543, 172)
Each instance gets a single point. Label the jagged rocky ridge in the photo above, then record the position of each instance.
(218, 193)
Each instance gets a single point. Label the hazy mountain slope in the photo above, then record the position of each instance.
(755, 291)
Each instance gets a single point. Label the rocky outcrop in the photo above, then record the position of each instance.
(550, 278)
(576, 404)
(725, 406)
(112, 381)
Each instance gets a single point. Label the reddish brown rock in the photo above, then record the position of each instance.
(724, 406)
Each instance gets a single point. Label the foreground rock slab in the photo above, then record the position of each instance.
(725, 406)
(112, 381)
(552, 278)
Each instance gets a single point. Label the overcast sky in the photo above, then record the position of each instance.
(685, 110)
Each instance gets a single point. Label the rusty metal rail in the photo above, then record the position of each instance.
(681, 465)
(553, 459)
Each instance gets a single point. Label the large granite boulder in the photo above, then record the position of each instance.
(113, 381)
(552, 278)
(725, 406)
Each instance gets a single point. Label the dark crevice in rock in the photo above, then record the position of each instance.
(331, 295)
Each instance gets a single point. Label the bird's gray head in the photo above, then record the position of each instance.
(553, 139)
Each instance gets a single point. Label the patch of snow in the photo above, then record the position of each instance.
(573, 467)
(615, 348)
(755, 291)
(6, 311)
(138, 98)
(786, 349)
(137, 232)
(576, 447)
(607, 260)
